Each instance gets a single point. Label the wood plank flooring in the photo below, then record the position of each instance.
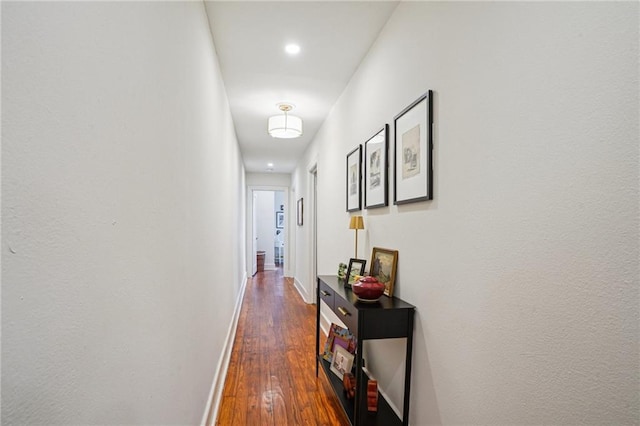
(272, 374)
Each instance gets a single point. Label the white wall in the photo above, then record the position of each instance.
(524, 268)
(120, 270)
(301, 254)
(268, 179)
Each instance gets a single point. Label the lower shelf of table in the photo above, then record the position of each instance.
(385, 416)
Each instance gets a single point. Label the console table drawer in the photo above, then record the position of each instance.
(347, 313)
(326, 294)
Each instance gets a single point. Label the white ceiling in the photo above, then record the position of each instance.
(250, 37)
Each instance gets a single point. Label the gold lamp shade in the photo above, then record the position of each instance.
(356, 223)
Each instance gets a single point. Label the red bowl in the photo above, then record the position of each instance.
(368, 288)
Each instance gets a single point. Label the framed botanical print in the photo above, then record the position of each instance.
(413, 146)
(354, 179)
(376, 165)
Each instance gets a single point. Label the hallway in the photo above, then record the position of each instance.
(271, 377)
(135, 133)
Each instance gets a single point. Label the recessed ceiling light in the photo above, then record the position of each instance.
(292, 49)
(269, 164)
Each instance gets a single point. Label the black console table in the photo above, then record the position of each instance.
(388, 318)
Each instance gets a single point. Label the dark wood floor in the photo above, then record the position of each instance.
(271, 378)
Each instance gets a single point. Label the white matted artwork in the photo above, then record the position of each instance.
(413, 145)
(341, 362)
(354, 179)
(376, 192)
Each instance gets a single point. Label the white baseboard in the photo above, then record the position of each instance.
(303, 293)
(269, 266)
(325, 323)
(215, 394)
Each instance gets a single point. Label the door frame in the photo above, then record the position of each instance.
(313, 225)
(250, 234)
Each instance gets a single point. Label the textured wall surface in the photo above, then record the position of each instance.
(120, 270)
(524, 268)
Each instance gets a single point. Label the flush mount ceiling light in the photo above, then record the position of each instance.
(285, 126)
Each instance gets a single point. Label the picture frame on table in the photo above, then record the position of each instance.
(413, 149)
(338, 337)
(354, 179)
(342, 362)
(299, 211)
(356, 267)
(279, 220)
(384, 263)
(376, 169)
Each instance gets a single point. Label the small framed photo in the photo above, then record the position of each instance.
(356, 267)
(376, 166)
(342, 362)
(354, 179)
(300, 211)
(413, 146)
(279, 220)
(338, 337)
(384, 263)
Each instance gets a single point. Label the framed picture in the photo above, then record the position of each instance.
(376, 166)
(342, 362)
(413, 146)
(340, 337)
(300, 211)
(356, 267)
(342, 272)
(383, 267)
(354, 179)
(279, 220)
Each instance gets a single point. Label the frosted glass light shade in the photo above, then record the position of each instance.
(285, 126)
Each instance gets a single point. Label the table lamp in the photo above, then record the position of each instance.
(356, 223)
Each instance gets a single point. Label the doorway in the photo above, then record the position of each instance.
(267, 229)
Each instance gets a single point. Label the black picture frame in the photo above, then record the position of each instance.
(413, 152)
(376, 169)
(354, 180)
(279, 220)
(300, 212)
(354, 263)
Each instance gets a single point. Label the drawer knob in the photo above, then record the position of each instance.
(343, 311)
(325, 293)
